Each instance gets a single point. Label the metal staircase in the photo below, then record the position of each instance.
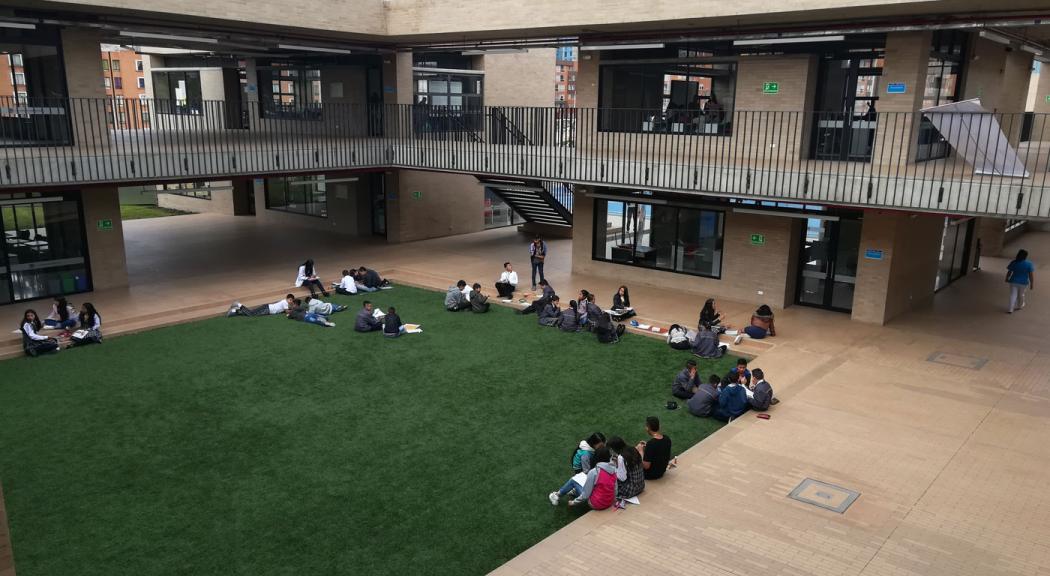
(541, 202)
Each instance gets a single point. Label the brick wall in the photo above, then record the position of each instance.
(907, 58)
(520, 79)
(904, 279)
(448, 204)
(746, 269)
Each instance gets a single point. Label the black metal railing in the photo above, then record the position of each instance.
(893, 160)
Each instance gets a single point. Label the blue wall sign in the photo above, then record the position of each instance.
(896, 88)
(872, 254)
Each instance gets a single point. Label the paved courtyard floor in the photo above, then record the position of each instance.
(938, 420)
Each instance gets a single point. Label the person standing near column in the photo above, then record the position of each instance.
(1020, 274)
(537, 254)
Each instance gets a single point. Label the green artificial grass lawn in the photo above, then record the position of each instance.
(140, 211)
(262, 446)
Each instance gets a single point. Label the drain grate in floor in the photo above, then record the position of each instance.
(958, 360)
(829, 496)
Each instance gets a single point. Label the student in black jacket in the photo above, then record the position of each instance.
(551, 313)
(392, 326)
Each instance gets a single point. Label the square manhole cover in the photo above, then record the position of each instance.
(817, 493)
(958, 360)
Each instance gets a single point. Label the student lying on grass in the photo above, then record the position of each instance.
(318, 306)
(278, 307)
(303, 314)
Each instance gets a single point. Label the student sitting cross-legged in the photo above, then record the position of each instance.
(741, 366)
(761, 392)
(761, 325)
(33, 342)
(318, 306)
(621, 305)
(607, 331)
(90, 327)
(686, 381)
(705, 400)
(538, 304)
(303, 314)
(508, 281)
(551, 313)
(478, 302)
(392, 326)
(366, 320)
(63, 315)
(278, 307)
(369, 280)
(347, 286)
(570, 318)
(732, 400)
(455, 299)
(706, 344)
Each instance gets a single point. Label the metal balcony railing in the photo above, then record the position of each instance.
(888, 160)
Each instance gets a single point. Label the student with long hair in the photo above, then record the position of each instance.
(63, 315)
(570, 318)
(307, 277)
(630, 475)
(621, 305)
(711, 316)
(90, 326)
(761, 325)
(33, 342)
(1020, 275)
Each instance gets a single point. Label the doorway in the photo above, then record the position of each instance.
(846, 119)
(827, 275)
(954, 261)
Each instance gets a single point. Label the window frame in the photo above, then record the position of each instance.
(599, 247)
(318, 179)
(164, 93)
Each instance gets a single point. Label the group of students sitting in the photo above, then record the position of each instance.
(354, 280)
(462, 296)
(607, 473)
(705, 343)
(582, 314)
(724, 398)
(64, 316)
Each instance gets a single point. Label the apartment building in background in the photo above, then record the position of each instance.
(123, 74)
(565, 67)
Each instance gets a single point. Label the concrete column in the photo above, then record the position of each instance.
(1042, 94)
(434, 204)
(105, 247)
(242, 197)
(83, 63)
(907, 58)
(992, 234)
(999, 76)
(904, 277)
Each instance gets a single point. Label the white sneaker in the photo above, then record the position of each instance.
(330, 324)
(553, 497)
(738, 339)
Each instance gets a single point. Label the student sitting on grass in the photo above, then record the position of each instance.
(686, 381)
(732, 400)
(656, 453)
(366, 320)
(90, 327)
(478, 302)
(761, 392)
(551, 313)
(455, 300)
(706, 344)
(302, 314)
(538, 304)
(598, 489)
(761, 325)
(606, 330)
(705, 401)
(307, 277)
(593, 312)
(34, 343)
(581, 309)
(508, 281)
(317, 306)
(570, 318)
(279, 307)
(581, 457)
(348, 285)
(678, 338)
(392, 326)
(741, 366)
(621, 305)
(369, 280)
(63, 315)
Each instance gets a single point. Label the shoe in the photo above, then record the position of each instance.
(576, 502)
(533, 287)
(739, 338)
(1021, 307)
(330, 324)
(553, 497)
(233, 311)
(386, 287)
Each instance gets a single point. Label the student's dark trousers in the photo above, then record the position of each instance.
(313, 286)
(537, 266)
(262, 310)
(505, 289)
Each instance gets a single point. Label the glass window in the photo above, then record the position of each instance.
(674, 96)
(42, 249)
(15, 59)
(943, 81)
(201, 190)
(687, 240)
(115, 65)
(448, 102)
(105, 64)
(298, 194)
(118, 83)
(138, 65)
(141, 82)
(497, 212)
(290, 92)
(178, 92)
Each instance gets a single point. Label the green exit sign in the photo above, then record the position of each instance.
(758, 239)
(417, 194)
(105, 224)
(770, 87)
(1048, 97)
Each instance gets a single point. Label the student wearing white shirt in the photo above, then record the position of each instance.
(279, 307)
(90, 327)
(307, 277)
(508, 281)
(33, 342)
(347, 286)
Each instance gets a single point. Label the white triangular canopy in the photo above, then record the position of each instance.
(975, 133)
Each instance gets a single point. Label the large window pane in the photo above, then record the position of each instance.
(699, 242)
(299, 194)
(43, 250)
(671, 96)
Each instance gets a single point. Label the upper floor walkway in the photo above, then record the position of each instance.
(990, 164)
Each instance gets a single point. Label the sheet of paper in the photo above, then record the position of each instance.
(580, 478)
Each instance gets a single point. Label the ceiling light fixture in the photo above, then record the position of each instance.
(313, 49)
(620, 47)
(791, 40)
(175, 37)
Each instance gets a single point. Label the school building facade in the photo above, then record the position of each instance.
(851, 157)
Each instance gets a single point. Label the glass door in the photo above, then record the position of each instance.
(828, 264)
(846, 120)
